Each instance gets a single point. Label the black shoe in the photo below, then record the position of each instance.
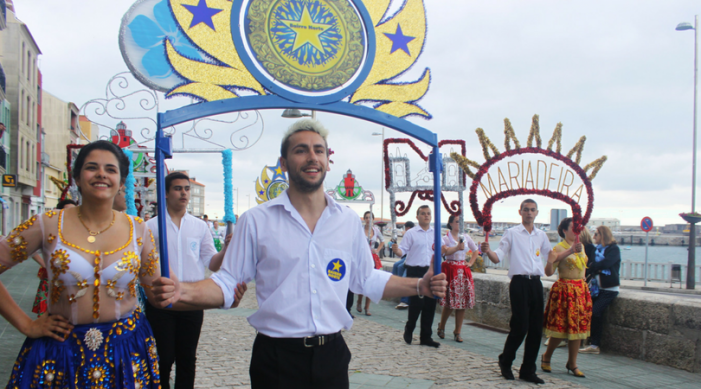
(407, 336)
(506, 372)
(531, 378)
(430, 342)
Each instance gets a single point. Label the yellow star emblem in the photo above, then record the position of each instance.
(306, 30)
(337, 266)
(278, 170)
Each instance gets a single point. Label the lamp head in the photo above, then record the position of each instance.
(293, 113)
(684, 26)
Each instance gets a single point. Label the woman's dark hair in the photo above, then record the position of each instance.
(451, 219)
(122, 159)
(62, 204)
(366, 213)
(564, 225)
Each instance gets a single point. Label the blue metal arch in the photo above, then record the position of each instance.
(197, 111)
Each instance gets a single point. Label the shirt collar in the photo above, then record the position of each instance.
(521, 227)
(284, 200)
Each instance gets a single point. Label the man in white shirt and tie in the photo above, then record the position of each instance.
(304, 251)
(526, 246)
(417, 244)
(191, 251)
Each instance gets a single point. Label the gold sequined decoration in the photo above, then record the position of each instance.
(206, 80)
(139, 241)
(59, 265)
(138, 219)
(3, 268)
(149, 268)
(17, 242)
(50, 238)
(396, 99)
(97, 261)
(46, 376)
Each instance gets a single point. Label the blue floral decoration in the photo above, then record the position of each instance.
(150, 34)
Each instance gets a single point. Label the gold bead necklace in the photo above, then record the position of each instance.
(93, 234)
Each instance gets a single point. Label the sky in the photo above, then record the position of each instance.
(615, 71)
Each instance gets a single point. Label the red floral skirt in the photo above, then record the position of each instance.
(40, 300)
(568, 311)
(461, 288)
(378, 263)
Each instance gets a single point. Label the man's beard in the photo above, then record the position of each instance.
(303, 186)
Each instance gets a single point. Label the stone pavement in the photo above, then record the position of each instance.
(381, 359)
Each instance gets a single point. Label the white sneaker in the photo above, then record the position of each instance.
(402, 306)
(590, 350)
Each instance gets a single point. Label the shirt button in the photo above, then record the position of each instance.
(314, 291)
(313, 266)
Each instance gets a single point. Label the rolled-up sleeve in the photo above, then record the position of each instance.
(239, 263)
(365, 279)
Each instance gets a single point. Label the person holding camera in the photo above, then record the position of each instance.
(461, 289)
(376, 245)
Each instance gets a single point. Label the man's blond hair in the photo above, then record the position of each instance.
(303, 125)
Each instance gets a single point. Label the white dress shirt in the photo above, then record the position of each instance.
(416, 245)
(460, 254)
(526, 250)
(190, 246)
(302, 278)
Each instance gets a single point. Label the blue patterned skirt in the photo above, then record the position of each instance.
(118, 354)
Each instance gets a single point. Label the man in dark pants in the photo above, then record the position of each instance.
(526, 246)
(191, 250)
(305, 252)
(417, 245)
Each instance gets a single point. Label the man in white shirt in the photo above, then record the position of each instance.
(304, 251)
(526, 246)
(190, 250)
(417, 244)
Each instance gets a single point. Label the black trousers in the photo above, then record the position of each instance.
(349, 301)
(177, 334)
(526, 322)
(600, 303)
(276, 364)
(424, 307)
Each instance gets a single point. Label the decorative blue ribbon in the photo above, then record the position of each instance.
(129, 184)
(229, 216)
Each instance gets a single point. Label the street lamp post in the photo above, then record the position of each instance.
(382, 174)
(691, 265)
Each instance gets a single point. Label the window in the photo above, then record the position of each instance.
(30, 156)
(24, 48)
(29, 65)
(22, 107)
(21, 152)
(29, 116)
(28, 163)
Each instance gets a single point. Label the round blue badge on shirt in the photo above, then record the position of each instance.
(336, 269)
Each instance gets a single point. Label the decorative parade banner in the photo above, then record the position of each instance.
(398, 179)
(513, 173)
(350, 191)
(269, 188)
(336, 56)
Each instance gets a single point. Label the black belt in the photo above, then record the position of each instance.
(307, 341)
(526, 276)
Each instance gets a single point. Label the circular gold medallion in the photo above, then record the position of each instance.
(91, 239)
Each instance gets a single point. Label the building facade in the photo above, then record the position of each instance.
(19, 56)
(5, 126)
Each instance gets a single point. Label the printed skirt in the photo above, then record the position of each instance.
(461, 288)
(118, 354)
(568, 311)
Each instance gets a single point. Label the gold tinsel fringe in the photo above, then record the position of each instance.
(465, 164)
(597, 164)
(578, 147)
(486, 144)
(557, 139)
(535, 133)
(509, 135)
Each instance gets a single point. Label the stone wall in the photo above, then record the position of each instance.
(657, 328)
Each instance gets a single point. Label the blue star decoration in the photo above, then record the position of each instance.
(202, 14)
(278, 174)
(399, 40)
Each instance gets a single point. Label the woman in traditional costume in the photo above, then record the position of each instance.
(93, 335)
(461, 289)
(568, 311)
(377, 243)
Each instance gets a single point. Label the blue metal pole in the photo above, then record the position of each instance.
(436, 166)
(164, 150)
